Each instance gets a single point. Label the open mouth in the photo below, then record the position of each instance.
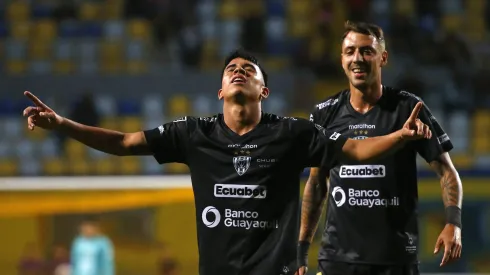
(359, 72)
(239, 79)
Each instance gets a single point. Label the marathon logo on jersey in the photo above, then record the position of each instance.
(240, 191)
(243, 146)
(362, 171)
(211, 217)
(363, 126)
(362, 198)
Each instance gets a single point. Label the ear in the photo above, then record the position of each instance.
(384, 58)
(220, 94)
(264, 93)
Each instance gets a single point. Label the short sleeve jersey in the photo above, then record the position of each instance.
(246, 187)
(372, 207)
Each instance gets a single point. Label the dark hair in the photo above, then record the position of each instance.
(90, 220)
(364, 28)
(241, 53)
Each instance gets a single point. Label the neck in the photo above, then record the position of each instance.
(241, 118)
(362, 100)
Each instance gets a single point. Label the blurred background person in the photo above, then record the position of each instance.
(92, 252)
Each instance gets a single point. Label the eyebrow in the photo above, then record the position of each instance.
(246, 65)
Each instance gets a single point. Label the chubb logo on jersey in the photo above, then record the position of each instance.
(211, 218)
(362, 171)
(362, 198)
(240, 191)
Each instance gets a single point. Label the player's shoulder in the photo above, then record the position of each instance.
(197, 122)
(401, 96)
(332, 101)
(273, 119)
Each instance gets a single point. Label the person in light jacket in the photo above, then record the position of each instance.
(92, 253)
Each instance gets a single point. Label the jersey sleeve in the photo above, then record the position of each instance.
(169, 142)
(322, 147)
(440, 142)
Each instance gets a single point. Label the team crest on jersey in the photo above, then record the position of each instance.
(242, 161)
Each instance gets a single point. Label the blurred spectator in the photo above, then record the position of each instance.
(167, 265)
(31, 261)
(59, 261)
(84, 112)
(92, 252)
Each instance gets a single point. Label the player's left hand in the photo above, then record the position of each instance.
(450, 238)
(414, 128)
(301, 271)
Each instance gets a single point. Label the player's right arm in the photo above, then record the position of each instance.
(375, 147)
(105, 140)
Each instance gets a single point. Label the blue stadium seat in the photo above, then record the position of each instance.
(91, 30)
(128, 107)
(114, 30)
(135, 50)
(7, 107)
(276, 8)
(69, 29)
(41, 10)
(3, 30)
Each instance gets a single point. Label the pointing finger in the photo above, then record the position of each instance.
(36, 100)
(416, 111)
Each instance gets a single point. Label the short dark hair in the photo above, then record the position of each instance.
(241, 53)
(365, 28)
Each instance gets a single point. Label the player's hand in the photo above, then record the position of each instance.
(301, 271)
(450, 239)
(414, 128)
(40, 115)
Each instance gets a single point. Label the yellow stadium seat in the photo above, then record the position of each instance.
(299, 8)
(452, 22)
(89, 11)
(129, 166)
(54, 167)
(110, 123)
(139, 29)
(40, 50)
(229, 9)
(113, 10)
(112, 51)
(475, 28)
(64, 67)
(176, 168)
(475, 7)
(44, 30)
(38, 133)
(16, 66)
(253, 7)
(276, 63)
(79, 167)
(481, 132)
(106, 166)
(112, 67)
(405, 7)
(318, 46)
(8, 168)
(179, 106)
(136, 67)
(18, 11)
(20, 30)
(463, 161)
(300, 28)
(75, 149)
(300, 114)
(131, 124)
(324, 89)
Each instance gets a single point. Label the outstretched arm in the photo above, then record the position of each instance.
(376, 147)
(452, 197)
(105, 140)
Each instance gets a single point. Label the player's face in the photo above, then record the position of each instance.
(88, 230)
(242, 78)
(362, 59)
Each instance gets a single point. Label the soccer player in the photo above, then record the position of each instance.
(245, 167)
(371, 225)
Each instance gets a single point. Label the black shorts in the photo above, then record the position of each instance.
(341, 268)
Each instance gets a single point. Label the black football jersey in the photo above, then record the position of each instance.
(372, 207)
(246, 187)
